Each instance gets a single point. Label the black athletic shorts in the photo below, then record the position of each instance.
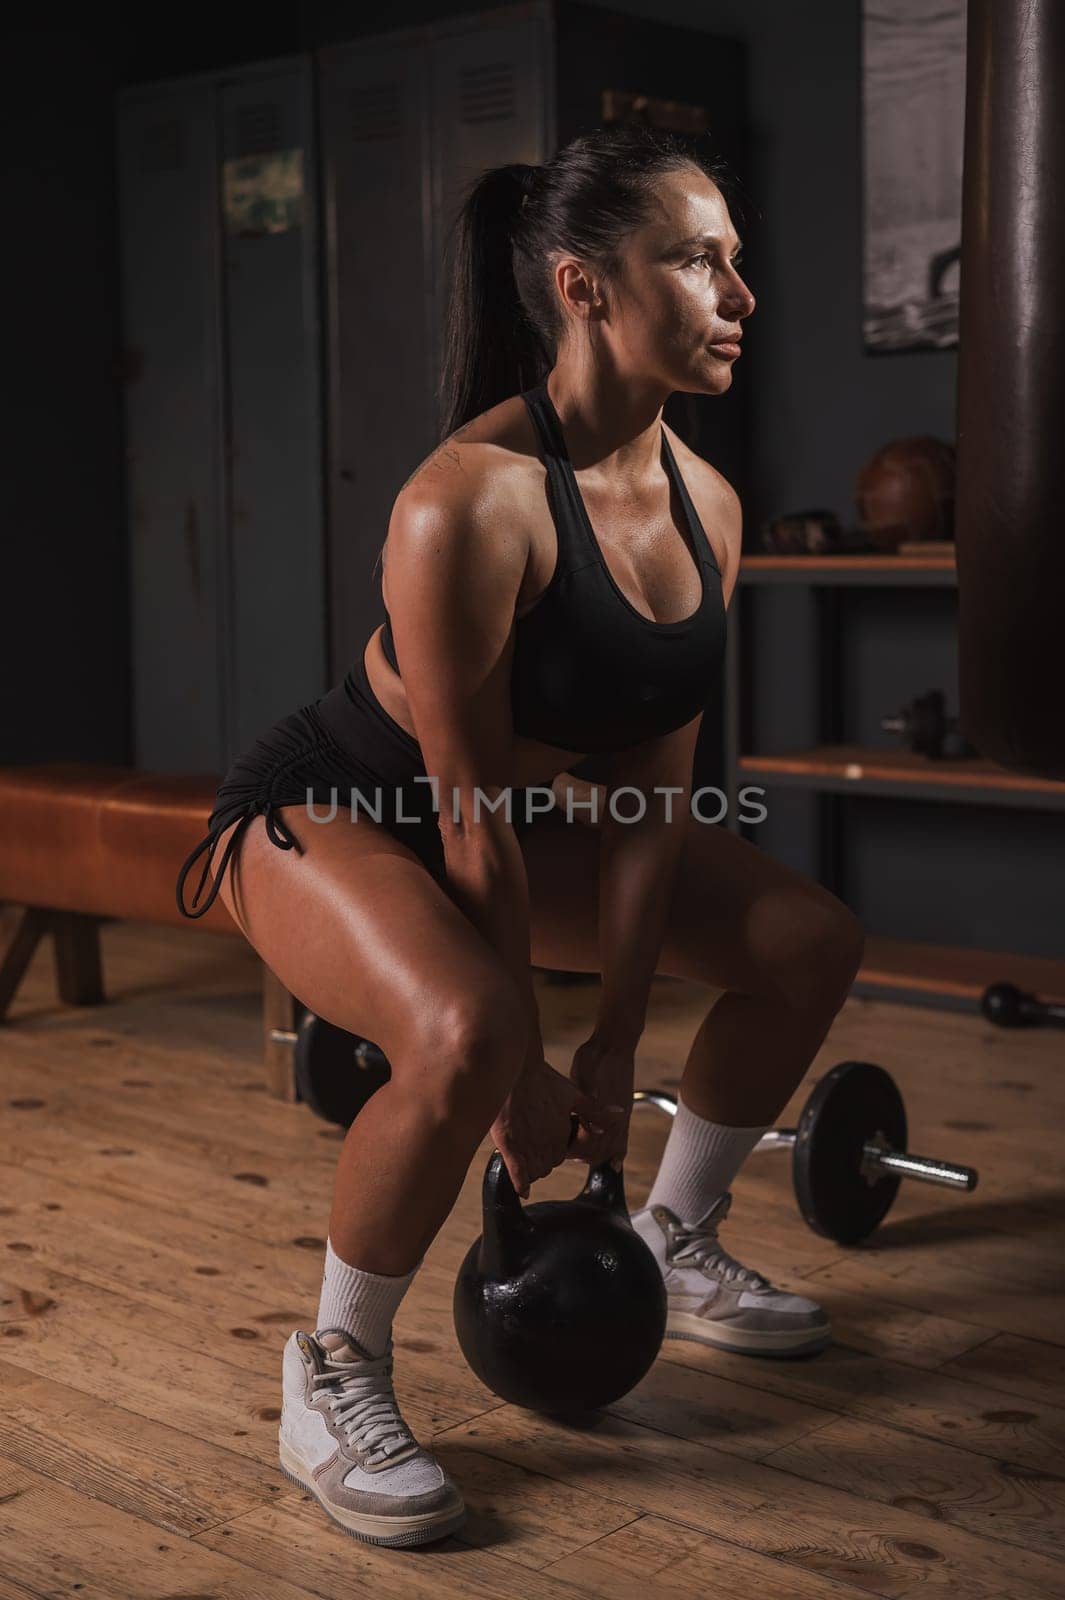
(342, 751)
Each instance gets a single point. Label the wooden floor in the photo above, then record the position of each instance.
(162, 1224)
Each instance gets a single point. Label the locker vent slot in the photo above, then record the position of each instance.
(377, 113)
(257, 130)
(486, 93)
(163, 147)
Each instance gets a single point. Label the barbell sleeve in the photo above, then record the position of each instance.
(925, 1169)
(877, 1160)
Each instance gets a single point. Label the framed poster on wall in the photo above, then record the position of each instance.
(913, 125)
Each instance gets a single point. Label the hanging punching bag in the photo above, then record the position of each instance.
(1011, 387)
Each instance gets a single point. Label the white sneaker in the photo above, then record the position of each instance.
(715, 1300)
(341, 1437)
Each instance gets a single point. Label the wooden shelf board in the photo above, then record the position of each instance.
(858, 763)
(869, 571)
(957, 970)
(844, 563)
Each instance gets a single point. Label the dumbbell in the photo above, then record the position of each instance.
(926, 728)
(1009, 1007)
(848, 1151)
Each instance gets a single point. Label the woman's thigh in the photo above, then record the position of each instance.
(738, 919)
(358, 929)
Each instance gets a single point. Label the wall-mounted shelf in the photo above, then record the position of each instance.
(820, 648)
(843, 768)
(868, 570)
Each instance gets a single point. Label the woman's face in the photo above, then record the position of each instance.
(679, 293)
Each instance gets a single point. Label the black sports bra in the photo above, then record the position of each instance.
(590, 672)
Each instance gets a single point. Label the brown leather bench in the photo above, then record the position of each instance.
(81, 844)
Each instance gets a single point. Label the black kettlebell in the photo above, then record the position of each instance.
(559, 1306)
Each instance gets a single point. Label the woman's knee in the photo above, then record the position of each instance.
(478, 1046)
(813, 947)
(843, 946)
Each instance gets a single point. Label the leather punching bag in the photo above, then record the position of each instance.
(1011, 387)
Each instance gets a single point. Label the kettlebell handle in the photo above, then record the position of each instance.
(505, 1224)
(506, 1230)
(606, 1187)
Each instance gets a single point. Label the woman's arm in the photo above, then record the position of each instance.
(637, 872)
(456, 557)
(638, 861)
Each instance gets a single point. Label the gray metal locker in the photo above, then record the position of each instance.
(276, 629)
(169, 258)
(378, 242)
(407, 119)
(220, 315)
(491, 104)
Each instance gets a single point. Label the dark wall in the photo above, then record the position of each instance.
(65, 628)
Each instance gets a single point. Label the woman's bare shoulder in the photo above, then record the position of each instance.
(478, 485)
(485, 454)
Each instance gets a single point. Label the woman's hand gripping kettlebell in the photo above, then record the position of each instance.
(544, 1120)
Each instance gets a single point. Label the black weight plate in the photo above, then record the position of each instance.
(851, 1105)
(336, 1071)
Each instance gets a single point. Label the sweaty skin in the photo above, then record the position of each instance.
(680, 293)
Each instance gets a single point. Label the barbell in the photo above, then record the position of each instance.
(848, 1151)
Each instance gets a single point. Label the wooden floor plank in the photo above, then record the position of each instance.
(1024, 1367)
(55, 1540)
(838, 1535)
(1019, 1505)
(936, 1404)
(653, 1557)
(10, 1590)
(1035, 1311)
(167, 1476)
(295, 1540)
(882, 1327)
(710, 1410)
(529, 1517)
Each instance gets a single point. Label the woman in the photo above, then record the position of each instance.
(556, 580)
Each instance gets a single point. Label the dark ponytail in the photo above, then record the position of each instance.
(491, 349)
(504, 320)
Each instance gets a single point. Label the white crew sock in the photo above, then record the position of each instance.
(361, 1303)
(699, 1162)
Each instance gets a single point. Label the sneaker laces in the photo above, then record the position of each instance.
(697, 1245)
(365, 1406)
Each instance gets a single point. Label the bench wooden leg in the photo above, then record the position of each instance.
(281, 1013)
(23, 928)
(77, 958)
(76, 941)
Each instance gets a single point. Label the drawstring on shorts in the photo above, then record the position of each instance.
(278, 831)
